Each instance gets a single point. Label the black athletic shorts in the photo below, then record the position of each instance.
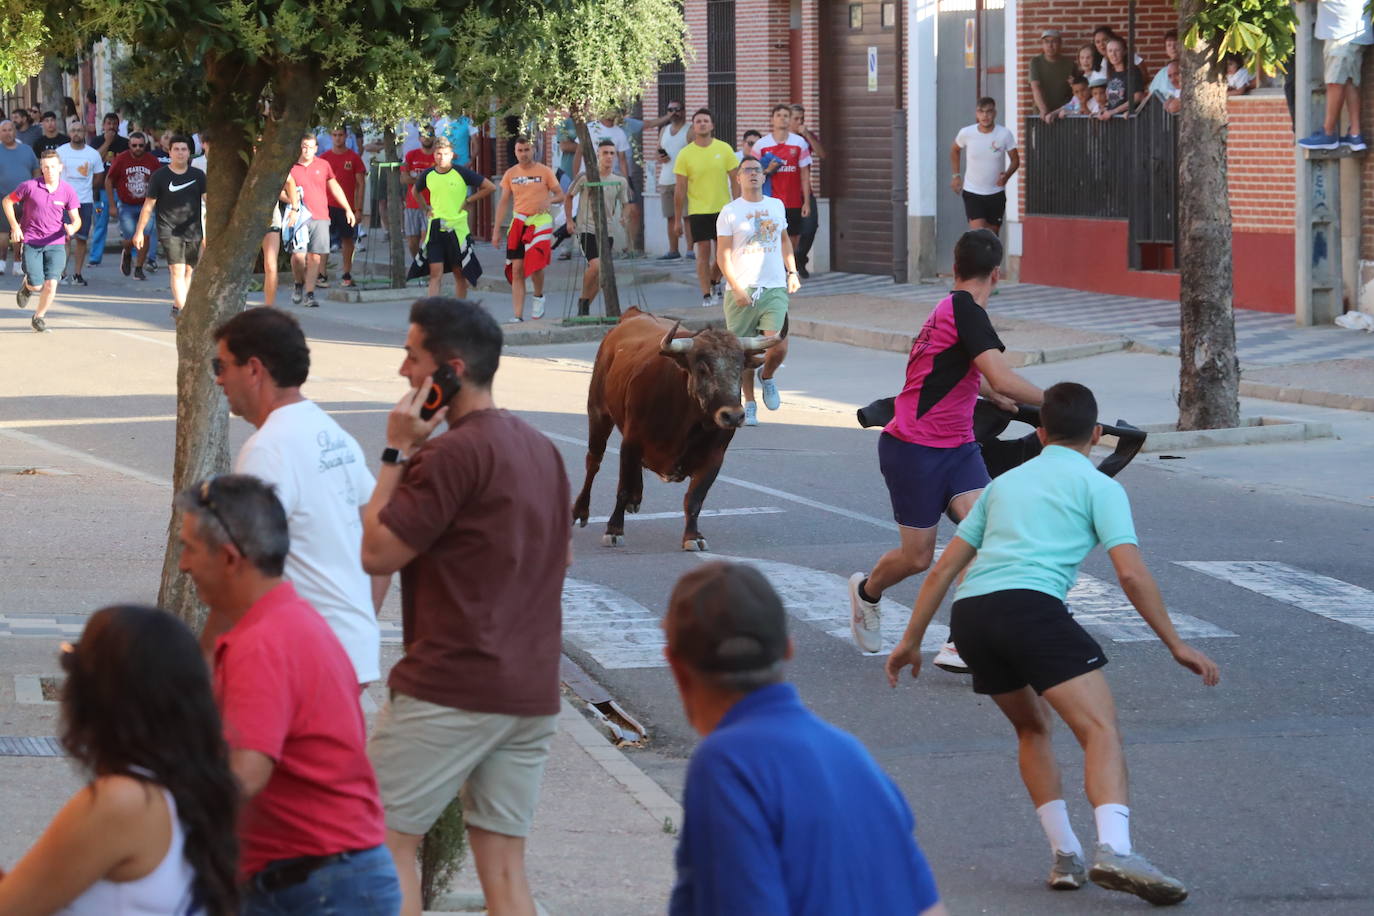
(794, 220)
(338, 224)
(589, 249)
(444, 248)
(179, 249)
(702, 226)
(1020, 637)
(988, 207)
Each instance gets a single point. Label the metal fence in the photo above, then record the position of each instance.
(1078, 167)
(1154, 184)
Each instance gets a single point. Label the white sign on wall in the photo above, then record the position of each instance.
(872, 69)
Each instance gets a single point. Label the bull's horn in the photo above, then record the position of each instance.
(669, 345)
(756, 344)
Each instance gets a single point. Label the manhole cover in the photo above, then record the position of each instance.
(30, 747)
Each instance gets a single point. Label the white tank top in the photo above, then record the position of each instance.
(164, 891)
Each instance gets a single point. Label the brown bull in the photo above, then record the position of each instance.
(676, 403)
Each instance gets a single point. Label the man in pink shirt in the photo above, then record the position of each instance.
(932, 464)
(311, 827)
(318, 186)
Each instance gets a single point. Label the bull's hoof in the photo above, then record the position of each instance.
(613, 540)
(580, 522)
(632, 508)
(695, 544)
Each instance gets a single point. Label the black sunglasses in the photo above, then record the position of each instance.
(206, 496)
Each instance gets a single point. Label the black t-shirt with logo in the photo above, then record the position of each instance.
(178, 201)
(47, 143)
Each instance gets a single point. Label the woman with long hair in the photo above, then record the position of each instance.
(152, 832)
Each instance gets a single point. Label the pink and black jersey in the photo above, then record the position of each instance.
(786, 181)
(935, 407)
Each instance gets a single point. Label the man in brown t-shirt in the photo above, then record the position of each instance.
(477, 521)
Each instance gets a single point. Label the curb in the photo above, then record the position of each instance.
(900, 341)
(1310, 396)
(557, 334)
(1255, 430)
(642, 789)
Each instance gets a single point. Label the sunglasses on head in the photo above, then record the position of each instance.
(205, 495)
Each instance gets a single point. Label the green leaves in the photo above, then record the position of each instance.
(1261, 31)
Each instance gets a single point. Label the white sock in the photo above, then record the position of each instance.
(1114, 827)
(1054, 817)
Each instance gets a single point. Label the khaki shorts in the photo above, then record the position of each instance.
(1341, 61)
(766, 314)
(665, 198)
(425, 754)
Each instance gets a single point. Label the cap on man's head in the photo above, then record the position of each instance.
(1049, 33)
(726, 618)
(1097, 81)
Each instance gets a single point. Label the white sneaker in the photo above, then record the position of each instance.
(538, 307)
(751, 413)
(865, 618)
(948, 659)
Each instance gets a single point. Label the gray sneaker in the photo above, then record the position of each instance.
(1133, 874)
(1068, 873)
(39, 325)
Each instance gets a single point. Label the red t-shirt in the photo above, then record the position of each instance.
(416, 161)
(786, 181)
(130, 176)
(313, 180)
(348, 170)
(285, 688)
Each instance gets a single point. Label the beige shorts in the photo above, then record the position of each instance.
(665, 199)
(1341, 61)
(425, 754)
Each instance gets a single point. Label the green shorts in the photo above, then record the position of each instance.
(766, 314)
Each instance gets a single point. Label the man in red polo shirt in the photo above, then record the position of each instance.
(319, 186)
(311, 827)
(349, 172)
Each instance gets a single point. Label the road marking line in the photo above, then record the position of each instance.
(705, 513)
(612, 627)
(38, 441)
(1307, 591)
(885, 524)
(1104, 609)
(151, 340)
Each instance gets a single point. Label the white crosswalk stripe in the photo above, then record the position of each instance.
(1316, 594)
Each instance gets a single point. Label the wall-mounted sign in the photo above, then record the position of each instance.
(872, 69)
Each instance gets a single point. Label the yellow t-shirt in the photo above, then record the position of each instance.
(707, 170)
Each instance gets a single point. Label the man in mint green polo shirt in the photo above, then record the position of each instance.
(1031, 529)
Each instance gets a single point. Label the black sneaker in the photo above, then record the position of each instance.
(310, 301)
(22, 297)
(79, 280)
(322, 282)
(39, 325)
(803, 273)
(138, 274)
(152, 265)
(176, 313)
(126, 262)
(346, 280)
(297, 294)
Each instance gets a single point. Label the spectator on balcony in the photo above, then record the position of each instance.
(1238, 78)
(1097, 92)
(1171, 94)
(1101, 35)
(1086, 62)
(1079, 103)
(1050, 73)
(1160, 84)
(1125, 82)
(990, 146)
(1344, 27)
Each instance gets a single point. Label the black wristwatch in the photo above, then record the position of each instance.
(393, 456)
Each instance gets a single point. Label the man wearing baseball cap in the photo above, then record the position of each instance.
(1050, 73)
(783, 813)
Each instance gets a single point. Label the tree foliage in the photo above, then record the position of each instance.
(1261, 31)
(23, 35)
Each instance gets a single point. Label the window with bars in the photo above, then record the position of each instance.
(672, 86)
(720, 67)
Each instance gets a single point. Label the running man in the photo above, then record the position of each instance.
(349, 172)
(176, 192)
(84, 170)
(531, 188)
(753, 249)
(790, 175)
(615, 195)
(1030, 532)
(48, 203)
(450, 190)
(129, 176)
(990, 146)
(706, 181)
(932, 464)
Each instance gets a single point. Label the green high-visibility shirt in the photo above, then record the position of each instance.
(448, 191)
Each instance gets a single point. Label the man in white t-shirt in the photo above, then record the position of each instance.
(317, 470)
(755, 255)
(982, 184)
(673, 134)
(1344, 27)
(83, 169)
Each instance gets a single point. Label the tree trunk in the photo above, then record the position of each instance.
(609, 291)
(1209, 372)
(395, 213)
(50, 90)
(239, 195)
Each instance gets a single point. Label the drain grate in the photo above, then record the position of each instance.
(15, 746)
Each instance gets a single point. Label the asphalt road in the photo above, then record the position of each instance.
(1257, 792)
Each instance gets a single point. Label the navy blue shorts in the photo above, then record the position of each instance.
(922, 480)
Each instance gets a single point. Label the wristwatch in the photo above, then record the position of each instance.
(393, 456)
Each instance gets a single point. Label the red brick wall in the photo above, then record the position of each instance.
(761, 64)
(1367, 172)
(1260, 164)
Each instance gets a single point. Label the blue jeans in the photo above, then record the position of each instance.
(360, 884)
(101, 229)
(44, 263)
(128, 222)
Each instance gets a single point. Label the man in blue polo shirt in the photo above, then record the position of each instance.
(784, 813)
(1031, 528)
